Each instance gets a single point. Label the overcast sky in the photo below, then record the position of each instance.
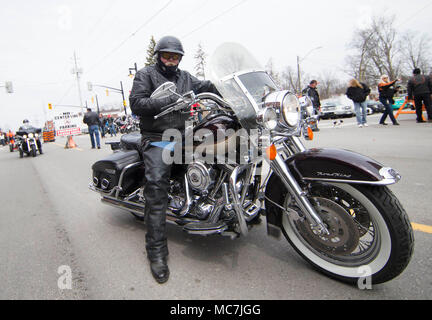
(39, 38)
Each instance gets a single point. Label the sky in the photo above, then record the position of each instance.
(39, 39)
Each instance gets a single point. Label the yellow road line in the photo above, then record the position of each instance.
(422, 227)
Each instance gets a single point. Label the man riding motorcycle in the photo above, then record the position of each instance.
(169, 52)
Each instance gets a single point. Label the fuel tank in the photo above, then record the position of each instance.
(215, 132)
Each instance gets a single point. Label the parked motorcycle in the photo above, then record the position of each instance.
(333, 206)
(27, 140)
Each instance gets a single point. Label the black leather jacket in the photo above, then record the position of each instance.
(146, 81)
(312, 93)
(91, 118)
(418, 85)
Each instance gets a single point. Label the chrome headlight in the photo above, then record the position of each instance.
(30, 135)
(306, 104)
(25, 136)
(290, 110)
(287, 105)
(36, 135)
(268, 118)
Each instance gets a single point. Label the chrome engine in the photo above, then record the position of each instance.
(201, 177)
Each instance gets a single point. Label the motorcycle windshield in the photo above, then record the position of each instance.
(240, 80)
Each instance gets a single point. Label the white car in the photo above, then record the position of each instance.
(336, 108)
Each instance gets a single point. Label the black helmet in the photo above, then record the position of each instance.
(25, 121)
(169, 44)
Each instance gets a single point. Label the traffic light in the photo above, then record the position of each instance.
(9, 86)
(50, 106)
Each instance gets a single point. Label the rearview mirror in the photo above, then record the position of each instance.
(164, 90)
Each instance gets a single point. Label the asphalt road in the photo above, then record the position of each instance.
(51, 222)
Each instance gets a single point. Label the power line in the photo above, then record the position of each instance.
(132, 35)
(201, 26)
(213, 19)
(413, 15)
(96, 25)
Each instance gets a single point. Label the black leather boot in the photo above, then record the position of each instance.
(159, 270)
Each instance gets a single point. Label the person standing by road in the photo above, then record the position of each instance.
(386, 93)
(358, 93)
(420, 87)
(91, 119)
(312, 92)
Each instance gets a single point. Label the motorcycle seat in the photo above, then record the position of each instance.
(131, 141)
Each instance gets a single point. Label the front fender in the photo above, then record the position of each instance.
(338, 165)
(325, 165)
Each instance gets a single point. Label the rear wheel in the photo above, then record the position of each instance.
(369, 231)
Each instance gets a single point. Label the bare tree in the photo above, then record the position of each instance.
(384, 48)
(416, 51)
(273, 73)
(330, 85)
(377, 51)
(289, 79)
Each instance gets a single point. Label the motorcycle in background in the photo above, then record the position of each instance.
(333, 206)
(28, 141)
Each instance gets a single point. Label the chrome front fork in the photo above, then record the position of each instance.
(281, 169)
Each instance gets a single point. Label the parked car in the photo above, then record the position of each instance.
(337, 108)
(376, 106)
(399, 101)
(328, 110)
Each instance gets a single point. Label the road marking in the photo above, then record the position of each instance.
(79, 149)
(422, 227)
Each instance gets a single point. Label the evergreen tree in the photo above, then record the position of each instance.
(151, 59)
(200, 57)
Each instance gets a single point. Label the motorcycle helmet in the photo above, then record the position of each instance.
(172, 45)
(169, 44)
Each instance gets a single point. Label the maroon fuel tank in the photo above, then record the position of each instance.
(215, 131)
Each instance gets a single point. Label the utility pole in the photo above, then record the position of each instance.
(298, 67)
(78, 71)
(298, 76)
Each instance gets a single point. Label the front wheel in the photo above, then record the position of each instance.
(33, 151)
(370, 233)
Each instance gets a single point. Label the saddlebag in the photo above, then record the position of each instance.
(107, 172)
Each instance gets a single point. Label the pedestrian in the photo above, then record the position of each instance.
(420, 87)
(358, 92)
(91, 119)
(101, 125)
(168, 53)
(312, 92)
(386, 93)
(112, 129)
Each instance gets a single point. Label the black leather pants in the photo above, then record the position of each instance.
(157, 175)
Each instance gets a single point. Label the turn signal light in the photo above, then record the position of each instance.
(310, 133)
(271, 152)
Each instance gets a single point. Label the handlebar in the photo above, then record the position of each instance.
(183, 103)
